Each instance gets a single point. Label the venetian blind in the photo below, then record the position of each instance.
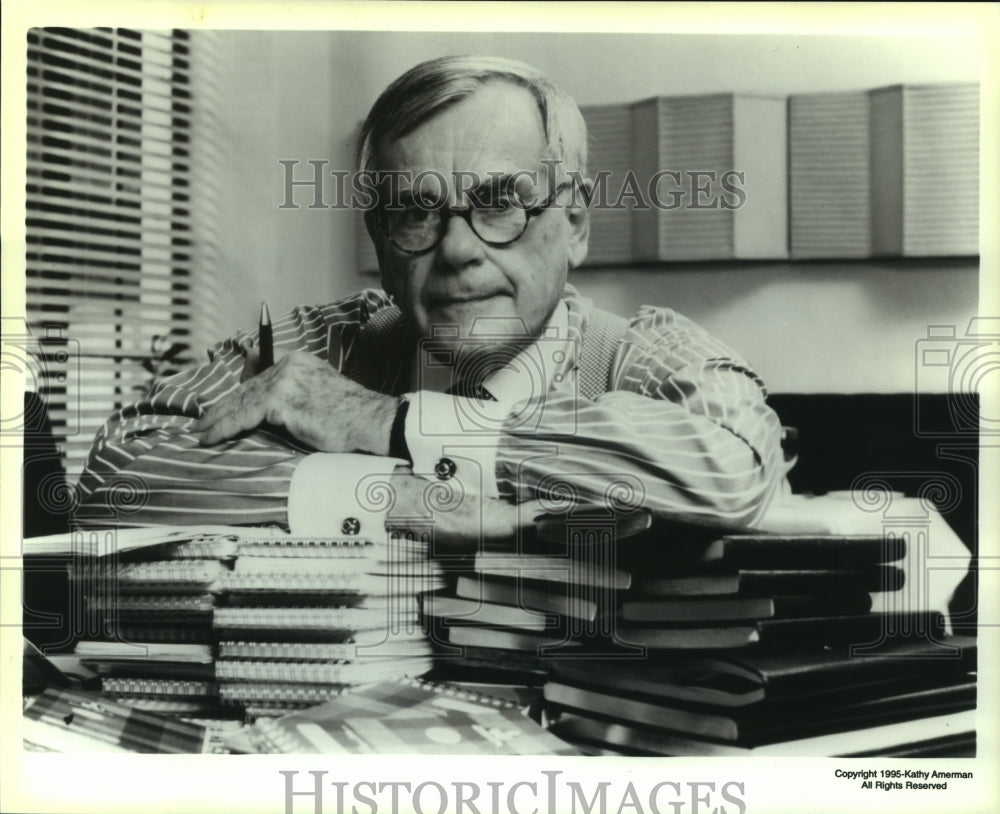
(120, 254)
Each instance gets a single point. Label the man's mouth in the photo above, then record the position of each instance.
(456, 299)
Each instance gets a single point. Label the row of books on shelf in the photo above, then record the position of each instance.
(622, 633)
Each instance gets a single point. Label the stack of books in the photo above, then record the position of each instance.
(907, 696)
(688, 637)
(767, 643)
(740, 590)
(303, 620)
(153, 608)
(512, 612)
(251, 622)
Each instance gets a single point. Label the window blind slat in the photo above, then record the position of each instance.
(84, 287)
(125, 258)
(65, 66)
(90, 98)
(53, 242)
(130, 164)
(57, 215)
(155, 49)
(99, 193)
(122, 146)
(153, 272)
(145, 329)
(150, 126)
(150, 179)
(56, 192)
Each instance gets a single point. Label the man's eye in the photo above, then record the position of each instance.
(414, 216)
(501, 202)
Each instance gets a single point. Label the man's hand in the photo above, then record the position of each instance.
(314, 402)
(462, 521)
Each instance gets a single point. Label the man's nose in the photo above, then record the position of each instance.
(459, 246)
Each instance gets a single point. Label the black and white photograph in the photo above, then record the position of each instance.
(443, 407)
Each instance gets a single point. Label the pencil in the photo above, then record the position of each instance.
(265, 339)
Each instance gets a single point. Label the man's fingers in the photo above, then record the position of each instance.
(242, 398)
(232, 424)
(503, 520)
(529, 511)
(251, 359)
(214, 413)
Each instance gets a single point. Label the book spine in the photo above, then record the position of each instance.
(273, 692)
(307, 672)
(222, 548)
(193, 633)
(314, 621)
(347, 548)
(177, 603)
(152, 687)
(288, 651)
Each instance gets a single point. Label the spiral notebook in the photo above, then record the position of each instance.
(274, 693)
(310, 672)
(319, 651)
(158, 688)
(190, 576)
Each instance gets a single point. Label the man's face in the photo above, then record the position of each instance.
(497, 130)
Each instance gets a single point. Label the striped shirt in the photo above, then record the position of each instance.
(670, 419)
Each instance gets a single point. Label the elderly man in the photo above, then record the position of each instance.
(477, 382)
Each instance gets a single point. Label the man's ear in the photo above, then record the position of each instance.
(579, 222)
(376, 238)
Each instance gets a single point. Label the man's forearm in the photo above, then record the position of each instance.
(650, 452)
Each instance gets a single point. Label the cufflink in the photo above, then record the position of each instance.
(445, 469)
(351, 526)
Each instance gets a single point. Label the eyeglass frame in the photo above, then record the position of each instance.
(465, 213)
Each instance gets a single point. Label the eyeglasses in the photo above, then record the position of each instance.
(415, 228)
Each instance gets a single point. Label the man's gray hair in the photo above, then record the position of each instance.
(431, 87)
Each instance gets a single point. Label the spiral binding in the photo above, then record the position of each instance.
(309, 672)
(271, 693)
(158, 686)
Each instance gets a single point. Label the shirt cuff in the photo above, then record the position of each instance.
(453, 436)
(341, 494)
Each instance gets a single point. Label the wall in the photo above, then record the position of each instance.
(278, 101)
(808, 328)
(846, 327)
